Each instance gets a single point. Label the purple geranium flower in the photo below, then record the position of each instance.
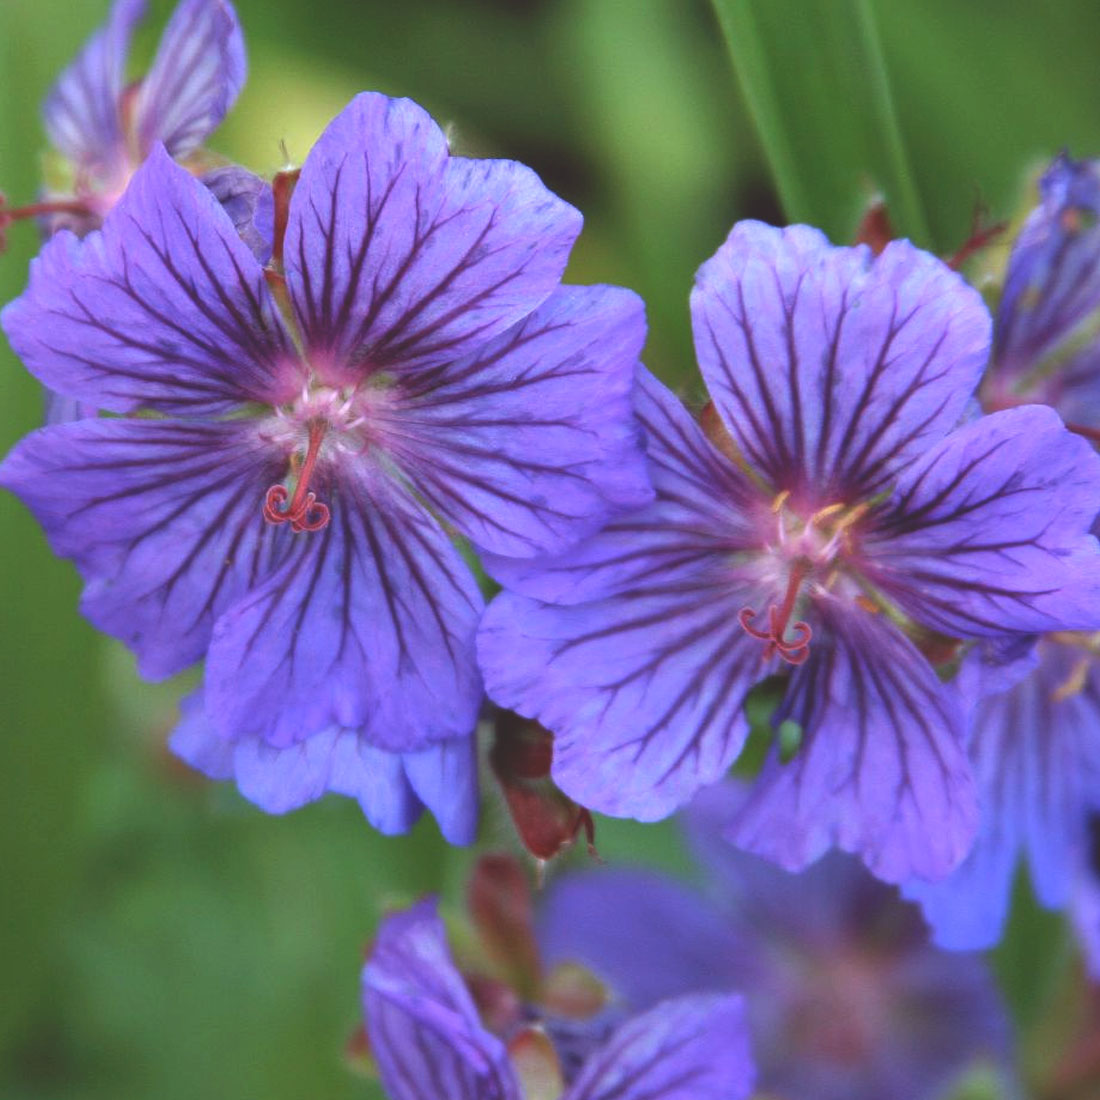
(1051, 289)
(844, 525)
(845, 998)
(105, 127)
(429, 1040)
(1035, 744)
(267, 509)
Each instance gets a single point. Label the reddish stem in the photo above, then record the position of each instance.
(282, 187)
(977, 240)
(9, 214)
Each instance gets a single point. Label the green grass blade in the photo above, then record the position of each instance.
(816, 83)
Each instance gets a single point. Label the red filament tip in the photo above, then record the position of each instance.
(793, 650)
(981, 235)
(304, 512)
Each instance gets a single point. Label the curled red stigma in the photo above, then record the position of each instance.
(793, 650)
(304, 512)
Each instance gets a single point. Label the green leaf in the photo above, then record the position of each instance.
(815, 81)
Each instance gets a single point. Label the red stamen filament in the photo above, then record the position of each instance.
(980, 236)
(304, 512)
(9, 214)
(792, 650)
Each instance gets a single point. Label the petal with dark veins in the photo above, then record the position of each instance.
(369, 626)
(833, 370)
(689, 1048)
(443, 252)
(530, 443)
(881, 770)
(163, 519)
(165, 308)
(195, 78)
(422, 1023)
(989, 532)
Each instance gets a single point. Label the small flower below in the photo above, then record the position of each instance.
(435, 1032)
(844, 995)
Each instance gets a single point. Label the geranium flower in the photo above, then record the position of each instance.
(429, 1040)
(845, 997)
(105, 126)
(839, 526)
(1051, 289)
(1035, 741)
(268, 497)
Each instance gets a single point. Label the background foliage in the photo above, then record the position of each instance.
(159, 937)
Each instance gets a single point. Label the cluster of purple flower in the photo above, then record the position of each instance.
(629, 984)
(275, 408)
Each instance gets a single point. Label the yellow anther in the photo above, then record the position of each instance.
(824, 513)
(846, 518)
(1079, 639)
(1074, 683)
(780, 500)
(856, 514)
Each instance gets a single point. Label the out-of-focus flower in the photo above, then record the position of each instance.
(845, 997)
(837, 525)
(1035, 741)
(105, 126)
(1035, 748)
(270, 514)
(1043, 349)
(430, 1041)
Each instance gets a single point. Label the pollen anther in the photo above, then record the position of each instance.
(828, 510)
(1075, 682)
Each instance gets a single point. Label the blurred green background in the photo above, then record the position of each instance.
(158, 936)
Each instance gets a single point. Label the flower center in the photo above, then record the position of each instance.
(805, 551)
(839, 1014)
(333, 421)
